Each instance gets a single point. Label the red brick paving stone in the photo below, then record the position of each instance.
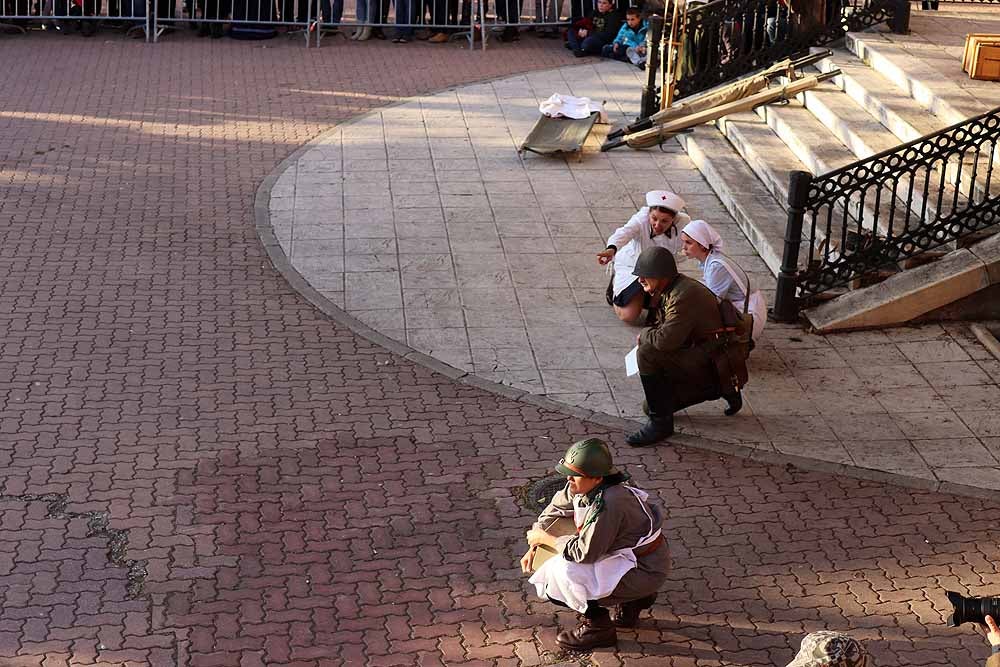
(154, 366)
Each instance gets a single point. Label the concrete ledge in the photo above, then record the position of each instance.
(904, 296)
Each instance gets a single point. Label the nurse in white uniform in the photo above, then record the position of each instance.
(658, 223)
(722, 274)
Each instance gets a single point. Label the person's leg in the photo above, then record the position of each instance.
(629, 303)
(626, 615)
(405, 10)
(573, 42)
(592, 45)
(596, 631)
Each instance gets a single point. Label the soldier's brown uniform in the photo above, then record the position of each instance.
(681, 355)
(620, 525)
(677, 345)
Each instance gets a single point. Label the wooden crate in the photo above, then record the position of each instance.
(987, 63)
(981, 57)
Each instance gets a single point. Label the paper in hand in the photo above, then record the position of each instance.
(632, 361)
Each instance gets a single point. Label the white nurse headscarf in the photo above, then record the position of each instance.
(702, 232)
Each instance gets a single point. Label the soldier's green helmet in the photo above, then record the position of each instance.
(587, 458)
(655, 262)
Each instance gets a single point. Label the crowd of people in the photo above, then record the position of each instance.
(607, 31)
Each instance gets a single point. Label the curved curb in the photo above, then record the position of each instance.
(299, 284)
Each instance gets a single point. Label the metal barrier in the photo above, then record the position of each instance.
(363, 19)
(506, 16)
(868, 216)
(726, 39)
(76, 15)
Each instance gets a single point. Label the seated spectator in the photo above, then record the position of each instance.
(631, 36)
(830, 649)
(588, 36)
(658, 223)
(722, 274)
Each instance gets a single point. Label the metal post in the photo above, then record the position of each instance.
(786, 307)
(649, 104)
(309, 24)
(899, 21)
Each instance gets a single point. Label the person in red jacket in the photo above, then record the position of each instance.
(589, 35)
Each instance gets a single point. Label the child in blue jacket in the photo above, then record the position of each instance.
(630, 44)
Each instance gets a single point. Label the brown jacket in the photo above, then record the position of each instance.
(688, 312)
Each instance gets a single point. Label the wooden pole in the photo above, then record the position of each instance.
(669, 58)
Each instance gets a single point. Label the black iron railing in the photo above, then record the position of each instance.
(726, 39)
(867, 217)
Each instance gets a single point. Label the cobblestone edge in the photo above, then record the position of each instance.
(299, 284)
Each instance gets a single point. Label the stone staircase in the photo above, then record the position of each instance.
(883, 97)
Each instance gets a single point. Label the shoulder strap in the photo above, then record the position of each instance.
(746, 295)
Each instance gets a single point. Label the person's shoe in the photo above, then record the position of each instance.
(654, 431)
(509, 34)
(438, 38)
(365, 34)
(377, 33)
(660, 408)
(579, 53)
(735, 403)
(592, 633)
(627, 615)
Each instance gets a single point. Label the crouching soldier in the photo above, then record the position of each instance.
(689, 355)
(604, 544)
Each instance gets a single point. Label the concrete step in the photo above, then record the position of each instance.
(857, 129)
(927, 74)
(764, 152)
(806, 126)
(752, 205)
(888, 104)
(933, 79)
(910, 294)
(812, 142)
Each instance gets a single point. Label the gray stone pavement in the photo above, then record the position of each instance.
(424, 223)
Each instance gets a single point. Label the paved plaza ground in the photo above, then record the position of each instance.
(199, 467)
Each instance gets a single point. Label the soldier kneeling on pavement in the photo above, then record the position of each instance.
(695, 351)
(598, 544)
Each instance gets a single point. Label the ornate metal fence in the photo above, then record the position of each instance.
(726, 39)
(866, 217)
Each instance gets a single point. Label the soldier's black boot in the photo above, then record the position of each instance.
(735, 401)
(626, 615)
(596, 631)
(660, 403)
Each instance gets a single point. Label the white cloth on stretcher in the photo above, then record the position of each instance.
(567, 106)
